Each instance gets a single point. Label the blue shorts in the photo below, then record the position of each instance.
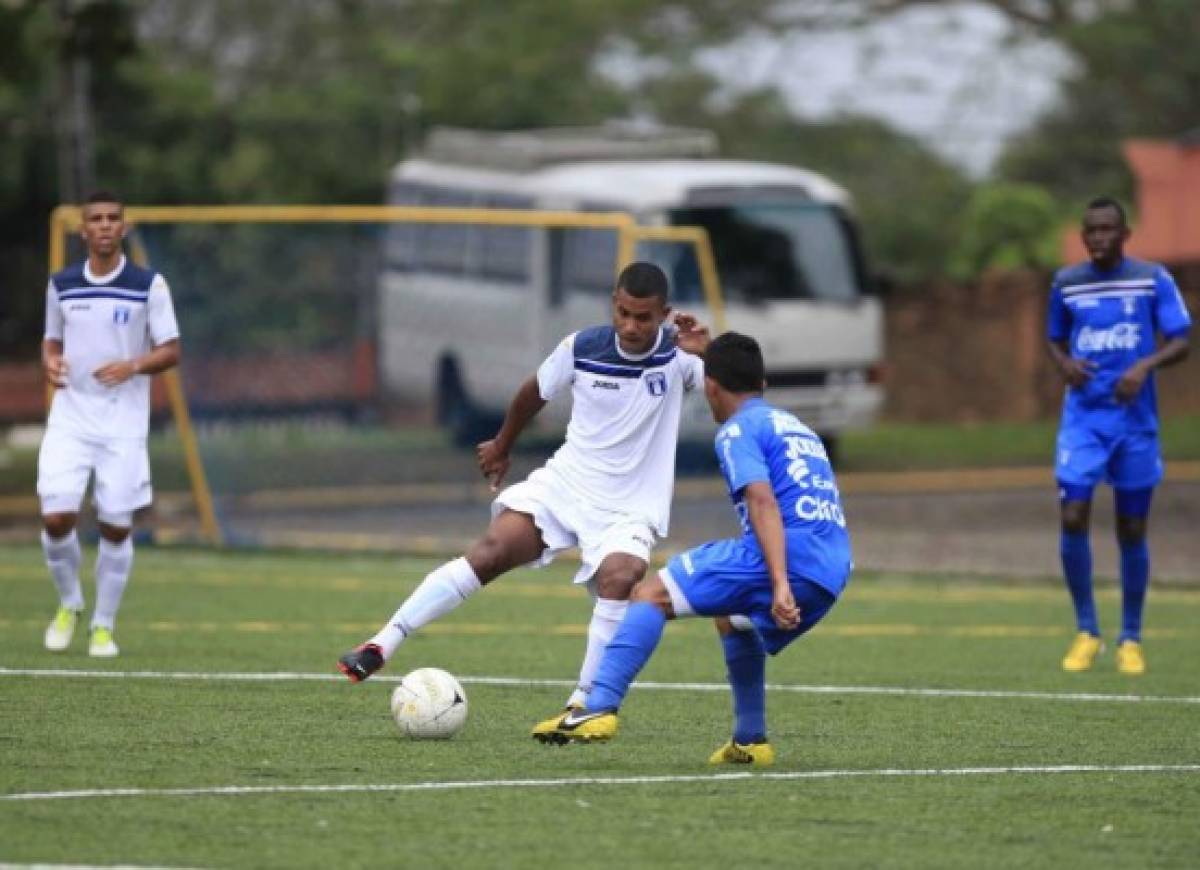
(1085, 457)
(728, 578)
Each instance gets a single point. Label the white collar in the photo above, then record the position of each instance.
(103, 279)
(637, 357)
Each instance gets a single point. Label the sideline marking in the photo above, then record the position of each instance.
(291, 676)
(241, 790)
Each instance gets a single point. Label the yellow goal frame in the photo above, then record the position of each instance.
(67, 219)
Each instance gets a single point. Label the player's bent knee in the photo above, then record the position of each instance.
(618, 574)
(1075, 517)
(59, 525)
(1131, 530)
(113, 534)
(653, 591)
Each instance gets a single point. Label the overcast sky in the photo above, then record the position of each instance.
(952, 76)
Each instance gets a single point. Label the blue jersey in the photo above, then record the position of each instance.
(1113, 318)
(762, 443)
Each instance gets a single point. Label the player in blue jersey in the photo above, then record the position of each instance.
(766, 588)
(1105, 317)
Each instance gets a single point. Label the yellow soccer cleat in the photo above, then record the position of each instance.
(1130, 659)
(577, 726)
(547, 726)
(61, 629)
(754, 754)
(1083, 652)
(102, 645)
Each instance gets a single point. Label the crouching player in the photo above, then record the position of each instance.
(766, 588)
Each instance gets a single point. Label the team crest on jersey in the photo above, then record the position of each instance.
(656, 383)
(121, 315)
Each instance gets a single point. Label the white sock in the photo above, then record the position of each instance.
(442, 590)
(606, 617)
(63, 558)
(113, 564)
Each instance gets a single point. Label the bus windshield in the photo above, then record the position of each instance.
(767, 252)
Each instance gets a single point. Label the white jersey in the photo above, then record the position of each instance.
(102, 319)
(620, 449)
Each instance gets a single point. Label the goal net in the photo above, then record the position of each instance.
(340, 363)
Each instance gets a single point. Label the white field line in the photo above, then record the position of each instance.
(241, 790)
(900, 691)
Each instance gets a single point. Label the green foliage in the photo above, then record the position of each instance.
(1138, 74)
(1007, 226)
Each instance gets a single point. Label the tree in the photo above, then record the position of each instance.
(1007, 226)
(1138, 75)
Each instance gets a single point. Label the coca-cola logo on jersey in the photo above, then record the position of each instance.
(1123, 336)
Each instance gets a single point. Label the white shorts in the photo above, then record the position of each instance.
(566, 521)
(121, 465)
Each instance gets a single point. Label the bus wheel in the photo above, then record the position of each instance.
(466, 423)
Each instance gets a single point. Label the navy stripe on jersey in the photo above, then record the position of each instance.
(132, 278)
(88, 293)
(586, 365)
(598, 345)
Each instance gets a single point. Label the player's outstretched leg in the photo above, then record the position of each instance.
(512, 539)
(442, 590)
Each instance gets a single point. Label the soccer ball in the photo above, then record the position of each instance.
(429, 704)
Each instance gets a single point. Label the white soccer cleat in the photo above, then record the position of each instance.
(102, 645)
(61, 629)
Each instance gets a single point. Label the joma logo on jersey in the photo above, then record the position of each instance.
(1123, 336)
(121, 315)
(605, 385)
(656, 383)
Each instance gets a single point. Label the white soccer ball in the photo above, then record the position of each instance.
(429, 704)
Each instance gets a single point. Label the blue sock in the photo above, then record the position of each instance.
(745, 661)
(626, 654)
(1076, 554)
(1135, 577)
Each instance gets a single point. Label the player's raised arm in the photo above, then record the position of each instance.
(493, 455)
(691, 335)
(763, 512)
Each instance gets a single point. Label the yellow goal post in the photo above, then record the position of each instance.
(67, 219)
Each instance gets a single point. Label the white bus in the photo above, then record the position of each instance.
(468, 311)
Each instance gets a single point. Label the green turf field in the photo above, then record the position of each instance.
(865, 779)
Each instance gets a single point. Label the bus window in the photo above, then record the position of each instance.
(769, 251)
(503, 252)
(587, 260)
(443, 247)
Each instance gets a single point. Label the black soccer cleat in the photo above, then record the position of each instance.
(362, 661)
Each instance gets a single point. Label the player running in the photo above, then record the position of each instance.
(767, 588)
(110, 325)
(607, 490)
(1103, 319)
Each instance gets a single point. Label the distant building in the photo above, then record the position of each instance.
(1167, 212)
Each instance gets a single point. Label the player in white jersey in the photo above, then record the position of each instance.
(110, 325)
(607, 490)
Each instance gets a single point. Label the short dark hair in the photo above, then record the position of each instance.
(1109, 202)
(643, 280)
(104, 196)
(735, 361)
